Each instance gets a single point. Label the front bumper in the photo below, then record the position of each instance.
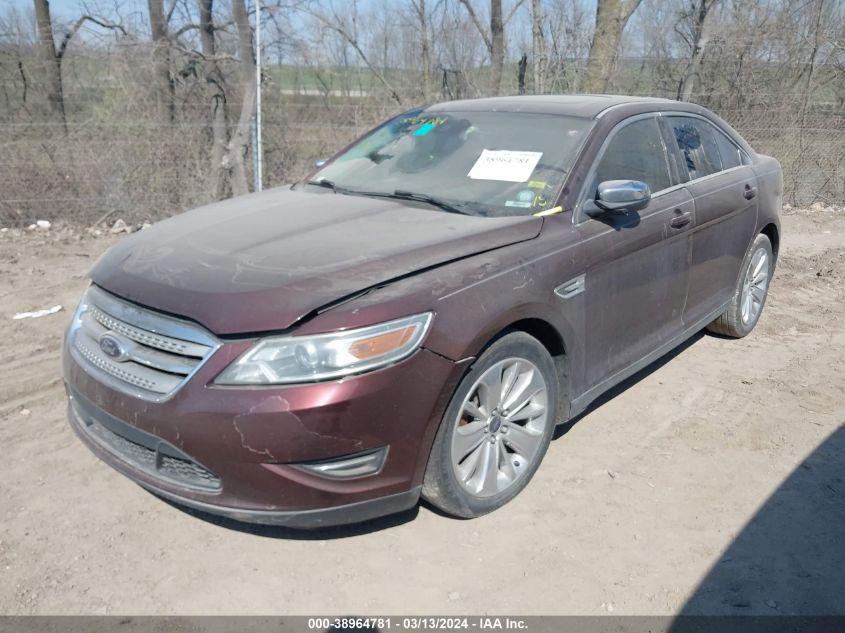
(235, 451)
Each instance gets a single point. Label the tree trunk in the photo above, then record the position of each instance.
(497, 45)
(165, 88)
(538, 47)
(494, 40)
(700, 38)
(218, 118)
(239, 144)
(425, 47)
(813, 59)
(52, 62)
(611, 18)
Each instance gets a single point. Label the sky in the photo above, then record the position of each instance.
(70, 8)
(57, 7)
(67, 9)
(134, 13)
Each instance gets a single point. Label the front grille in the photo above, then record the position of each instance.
(142, 450)
(136, 350)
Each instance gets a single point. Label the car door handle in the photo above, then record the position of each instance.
(750, 192)
(680, 221)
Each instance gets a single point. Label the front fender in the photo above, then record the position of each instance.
(476, 298)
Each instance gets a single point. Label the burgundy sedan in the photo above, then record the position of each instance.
(415, 317)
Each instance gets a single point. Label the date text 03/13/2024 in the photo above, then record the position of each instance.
(411, 623)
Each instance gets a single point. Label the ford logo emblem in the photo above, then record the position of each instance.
(113, 347)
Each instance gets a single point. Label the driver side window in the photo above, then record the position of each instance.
(635, 152)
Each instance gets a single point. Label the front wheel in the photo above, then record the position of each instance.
(750, 294)
(496, 429)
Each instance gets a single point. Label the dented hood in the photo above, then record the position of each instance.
(262, 262)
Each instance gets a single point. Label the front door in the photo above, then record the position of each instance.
(637, 265)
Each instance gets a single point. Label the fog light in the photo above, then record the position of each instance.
(357, 465)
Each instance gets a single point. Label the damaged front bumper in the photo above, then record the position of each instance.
(303, 456)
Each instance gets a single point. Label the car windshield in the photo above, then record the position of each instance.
(480, 163)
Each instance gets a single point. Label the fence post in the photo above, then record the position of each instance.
(257, 151)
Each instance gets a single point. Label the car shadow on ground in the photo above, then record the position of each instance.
(607, 396)
(297, 534)
(375, 525)
(789, 559)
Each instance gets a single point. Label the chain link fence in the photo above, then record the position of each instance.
(811, 151)
(117, 158)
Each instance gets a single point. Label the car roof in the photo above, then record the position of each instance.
(585, 106)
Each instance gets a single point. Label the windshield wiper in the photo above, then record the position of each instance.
(399, 194)
(423, 197)
(323, 182)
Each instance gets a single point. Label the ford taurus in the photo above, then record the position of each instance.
(415, 317)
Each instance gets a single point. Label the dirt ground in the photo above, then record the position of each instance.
(712, 482)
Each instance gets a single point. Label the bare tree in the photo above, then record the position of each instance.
(700, 28)
(52, 62)
(611, 18)
(219, 110)
(494, 39)
(813, 62)
(425, 45)
(238, 147)
(775, 69)
(349, 32)
(497, 43)
(538, 47)
(165, 86)
(51, 56)
(569, 22)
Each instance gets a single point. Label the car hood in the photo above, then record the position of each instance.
(264, 261)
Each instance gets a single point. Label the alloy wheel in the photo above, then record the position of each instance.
(754, 286)
(500, 427)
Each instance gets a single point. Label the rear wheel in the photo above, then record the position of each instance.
(750, 294)
(496, 429)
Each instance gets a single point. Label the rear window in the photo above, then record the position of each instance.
(731, 155)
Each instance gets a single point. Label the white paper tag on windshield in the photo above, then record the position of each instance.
(504, 165)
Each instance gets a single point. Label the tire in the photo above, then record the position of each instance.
(481, 459)
(749, 297)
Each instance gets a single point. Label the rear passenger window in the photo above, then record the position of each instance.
(731, 155)
(697, 141)
(635, 152)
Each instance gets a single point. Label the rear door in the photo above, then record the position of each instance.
(637, 265)
(724, 188)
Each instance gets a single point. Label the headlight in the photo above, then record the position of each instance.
(292, 359)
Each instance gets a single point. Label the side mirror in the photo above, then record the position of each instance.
(621, 196)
